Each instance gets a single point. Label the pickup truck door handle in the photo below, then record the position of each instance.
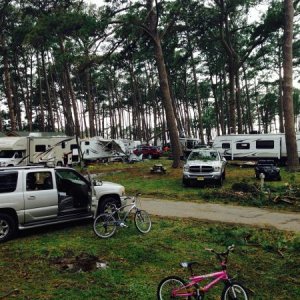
(31, 198)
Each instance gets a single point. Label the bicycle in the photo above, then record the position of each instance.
(105, 224)
(174, 287)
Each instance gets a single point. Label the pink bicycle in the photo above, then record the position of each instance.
(173, 287)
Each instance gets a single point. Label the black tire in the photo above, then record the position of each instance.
(142, 221)
(224, 175)
(168, 284)
(220, 181)
(8, 227)
(185, 182)
(234, 291)
(108, 204)
(105, 225)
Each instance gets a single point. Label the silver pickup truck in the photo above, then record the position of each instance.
(38, 196)
(204, 165)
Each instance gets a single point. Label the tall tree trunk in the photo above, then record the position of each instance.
(290, 134)
(90, 102)
(41, 100)
(238, 98)
(7, 85)
(70, 90)
(51, 125)
(249, 119)
(164, 85)
(280, 89)
(167, 102)
(199, 105)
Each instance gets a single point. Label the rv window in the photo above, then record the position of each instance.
(264, 144)
(8, 182)
(87, 143)
(226, 146)
(40, 148)
(63, 145)
(7, 153)
(242, 146)
(74, 146)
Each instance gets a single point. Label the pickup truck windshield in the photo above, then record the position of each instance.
(204, 155)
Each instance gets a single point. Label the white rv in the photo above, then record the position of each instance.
(13, 151)
(17, 151)
(253, 146)
(99, 149)
(188, 144)
(62, 153)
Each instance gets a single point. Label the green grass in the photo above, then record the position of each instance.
(266, 261)
(36, 265)
(137, 177)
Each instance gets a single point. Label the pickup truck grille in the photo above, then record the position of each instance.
(203, 169)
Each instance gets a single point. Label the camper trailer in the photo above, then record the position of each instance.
(18, 151)
(99, 149)
(253, 146)
(188, 144)
(62, 153)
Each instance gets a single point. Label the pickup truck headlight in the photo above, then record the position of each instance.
(217, 169)
(185, 168)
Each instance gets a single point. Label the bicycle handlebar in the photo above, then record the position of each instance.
(133, 198)
(221, 255)
(229, 248)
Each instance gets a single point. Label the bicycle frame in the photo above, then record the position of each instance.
(132, 206)
(194, 280)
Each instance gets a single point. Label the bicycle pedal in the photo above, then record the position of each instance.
(123, 224)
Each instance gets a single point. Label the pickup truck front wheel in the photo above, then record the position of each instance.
(107, 204)
(7, 227)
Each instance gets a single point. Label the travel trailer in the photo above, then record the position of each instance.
(253, 146)
(62, 153)
(188, 144)
(100, 149)
(18, 151)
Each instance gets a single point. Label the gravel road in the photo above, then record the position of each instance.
(223, 213)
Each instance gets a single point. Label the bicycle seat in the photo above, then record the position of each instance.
(188, 264)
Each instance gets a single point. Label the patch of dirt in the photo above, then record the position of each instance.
(81, 263)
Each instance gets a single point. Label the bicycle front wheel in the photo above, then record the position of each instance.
(142, 221)
(171, 287)
(105, 225)
(234, 291)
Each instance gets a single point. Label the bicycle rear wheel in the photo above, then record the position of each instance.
(234, 291)
(105, 225)
(142, 221)
(167, 287)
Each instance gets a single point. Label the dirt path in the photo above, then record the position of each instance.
(224, 213)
